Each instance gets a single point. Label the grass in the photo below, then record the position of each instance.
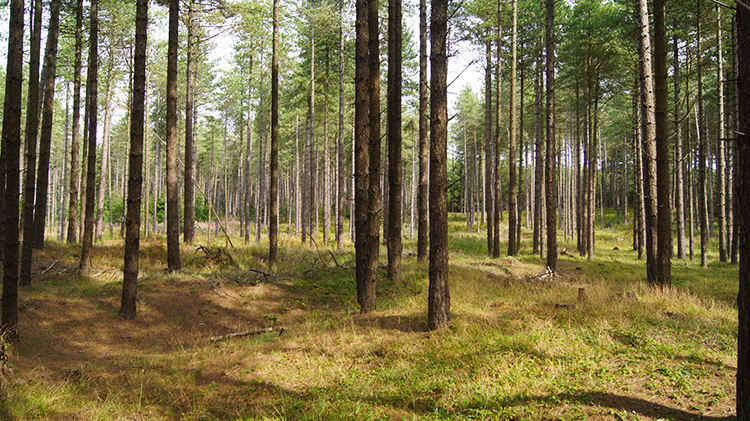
(511, 351)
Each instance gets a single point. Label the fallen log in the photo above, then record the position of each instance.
(246, 333)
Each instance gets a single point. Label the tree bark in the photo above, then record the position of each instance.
(721, 154)
(422, 195)
(188, 231)
(341, 181)
(648, 135)
(664, 217)
(743, 200)
(374, 208)
(362, 148)
(273, 194)
(135, 173)
(395, 246)
(11, 146)
(104, 169)
(513, 246)
(92, 106)
(496, 208)
(31, 135)
(550, 170)
(488, 156)
(439, 301)
(702, 147)
(678, 156)
(173, 197)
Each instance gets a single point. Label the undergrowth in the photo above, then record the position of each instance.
(521, 345)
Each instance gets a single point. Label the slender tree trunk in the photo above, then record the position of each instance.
(11, 147)
(341, 179)
(721, 154)
(513, 246)
(395, 246)
(45, 141)
(173, 197)
(422, 195)
(326, 157)
(104, 169)
(702, 148)
(664, 216)
(63, 203)
(248, 155)
(539, 160)
(735, 129)
(550, 169)
(648, 133)
(678, 156)
(31, 135)
(135, 177)
(438, 313)
(374, 191)
(189, 182)
(273, 193)
(497, 211)
(488, 160)
(91, 99)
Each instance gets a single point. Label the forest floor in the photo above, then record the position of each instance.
(521, 346)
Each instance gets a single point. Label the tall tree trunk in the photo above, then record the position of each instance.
(550, 169)
(743, 199)
(702, 147)
(173, 197)
(439, 301)
(45, 141)
(11, 147)
(735, 148)
(648, 134)
(63, 191)
(104, 169)
(135, 173)
(721, 154)
(248, 154)
(497, 211)
(31, 135)
(374, 193)
(395, 245)
(513, 246)
(663, 179)
(539, 160)
(188, 231)
(422, 196)
(326, 156)
(678, 155)
(341, 179)
(91, 99)
(362, 149)
(273, 193)
(488, 160)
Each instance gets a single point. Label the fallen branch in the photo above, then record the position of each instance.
(265, 274)
(103, 272)
(48, 269)
(246, 333)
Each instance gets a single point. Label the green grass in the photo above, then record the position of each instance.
(511, 352)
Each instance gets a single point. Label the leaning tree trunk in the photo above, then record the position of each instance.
(439, 300)
(91, 99)
(135, 173)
